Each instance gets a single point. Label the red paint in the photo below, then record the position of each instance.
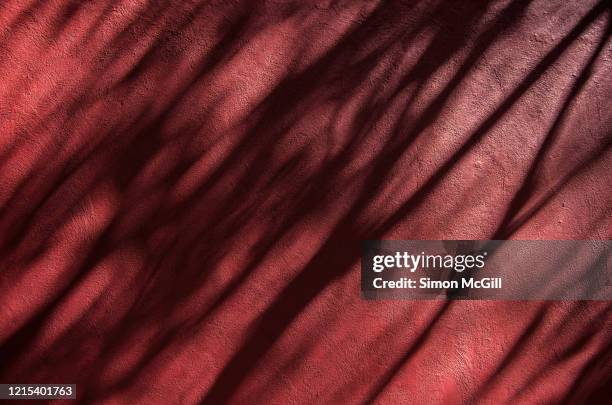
(184, 187)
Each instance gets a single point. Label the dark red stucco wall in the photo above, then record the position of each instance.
(184, 186)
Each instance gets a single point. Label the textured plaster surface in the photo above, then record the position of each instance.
(184, 186)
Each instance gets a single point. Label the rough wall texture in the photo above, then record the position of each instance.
(184, 186)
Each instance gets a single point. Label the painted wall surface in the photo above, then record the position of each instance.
(184, 187)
